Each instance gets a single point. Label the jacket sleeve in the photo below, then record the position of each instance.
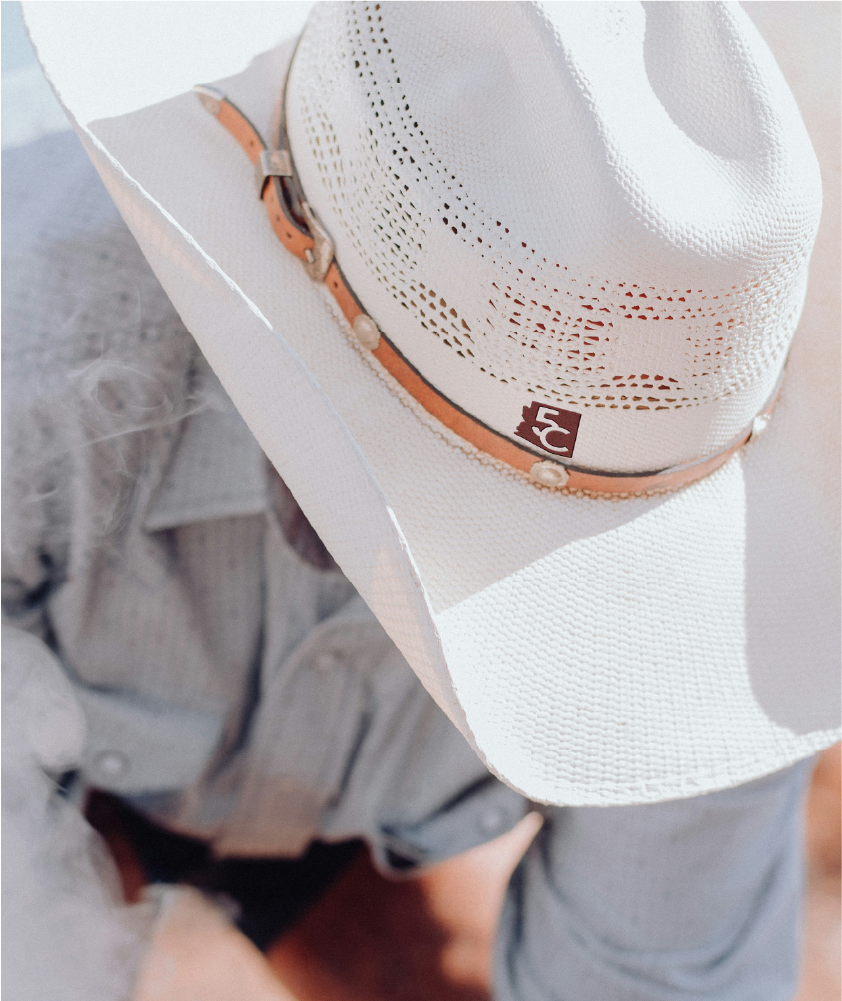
(67, 935)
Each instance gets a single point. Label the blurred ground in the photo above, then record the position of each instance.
(367, 938)
(821, 978)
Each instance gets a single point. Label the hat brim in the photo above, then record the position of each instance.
(593, 651)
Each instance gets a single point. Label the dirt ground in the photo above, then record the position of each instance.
(820, 978)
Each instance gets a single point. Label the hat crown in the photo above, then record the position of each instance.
(604, 208)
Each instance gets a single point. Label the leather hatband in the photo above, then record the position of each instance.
(288, 213)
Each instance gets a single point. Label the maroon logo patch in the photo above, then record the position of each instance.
(550, 429)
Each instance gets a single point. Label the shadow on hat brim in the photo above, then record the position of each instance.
(593, 651)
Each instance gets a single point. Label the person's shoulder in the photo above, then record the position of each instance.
(51, 192)
(93, 350)
(76, 286)
(78, 294)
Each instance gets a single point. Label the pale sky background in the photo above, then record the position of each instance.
(29, 107)
(30, 110)
(17, 51)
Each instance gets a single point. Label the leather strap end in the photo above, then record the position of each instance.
(210, 98)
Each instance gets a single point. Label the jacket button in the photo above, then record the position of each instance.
(492, 821)
(111, 764)
(325, 661)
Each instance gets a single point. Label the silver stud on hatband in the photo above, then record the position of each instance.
(366, 330)
(759, 425)
(549, 474)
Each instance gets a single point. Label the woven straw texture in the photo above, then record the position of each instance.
(592, 651)
(648, 274)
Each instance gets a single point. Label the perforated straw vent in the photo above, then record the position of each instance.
(520, 214)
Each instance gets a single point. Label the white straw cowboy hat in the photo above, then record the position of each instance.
(514, 292)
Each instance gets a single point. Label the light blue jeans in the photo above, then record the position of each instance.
(691, 899)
